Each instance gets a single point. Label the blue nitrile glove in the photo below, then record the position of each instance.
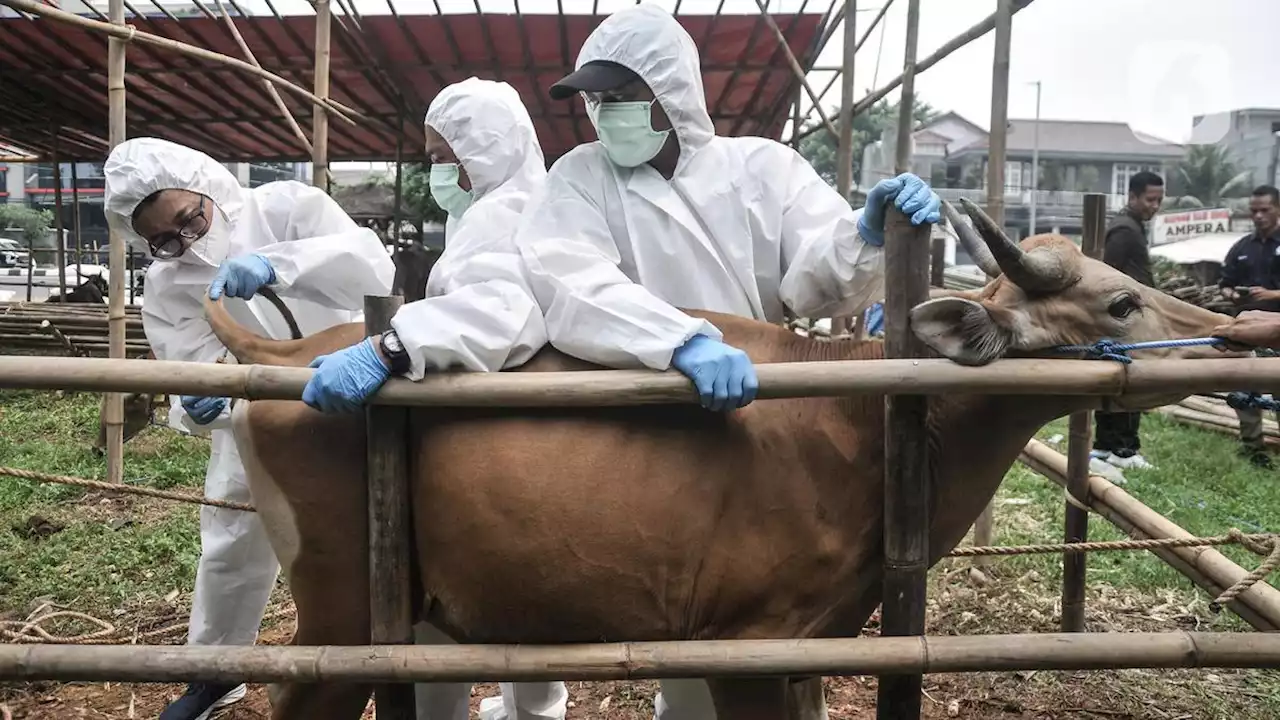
(241, 277)
(203, 410)
(345, 379)
(910, 194)
(723, 375)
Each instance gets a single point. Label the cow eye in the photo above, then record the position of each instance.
(1123, 306)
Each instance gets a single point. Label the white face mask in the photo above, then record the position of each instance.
(212, 248)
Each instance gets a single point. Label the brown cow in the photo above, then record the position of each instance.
(669, 522)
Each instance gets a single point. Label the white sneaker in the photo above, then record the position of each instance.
(1106, 470)
(1100, 455)
(1135, 461)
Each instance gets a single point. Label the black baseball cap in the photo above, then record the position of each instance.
(595, 76)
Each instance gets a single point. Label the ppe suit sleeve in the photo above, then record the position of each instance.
(176, 330)
(322, 256)
(828, 271)
(480, 313)
(593, 310)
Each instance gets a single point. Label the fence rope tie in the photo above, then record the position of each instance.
(125, 489)
(1107, 349)
(1240, 400)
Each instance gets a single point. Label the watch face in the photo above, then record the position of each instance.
(392, 342)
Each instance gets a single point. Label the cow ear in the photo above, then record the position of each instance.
(960, 329)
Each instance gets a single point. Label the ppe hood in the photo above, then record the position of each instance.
(137, 168)
(648, 41)
(490, 131)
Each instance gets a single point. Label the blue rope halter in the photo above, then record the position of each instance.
(1107, 349)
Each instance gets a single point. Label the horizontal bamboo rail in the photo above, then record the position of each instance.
(645, 387)
(641, 660)
(1212, 570)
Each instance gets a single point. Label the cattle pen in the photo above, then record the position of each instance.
(905, 378)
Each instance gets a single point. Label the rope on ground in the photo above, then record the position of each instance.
(125, 489)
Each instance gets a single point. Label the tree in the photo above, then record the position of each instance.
(820, 147)
(1204, 177)
(415, 188)
(34, 225)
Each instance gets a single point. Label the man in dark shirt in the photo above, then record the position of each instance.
(1251, 278)
(1116, 438)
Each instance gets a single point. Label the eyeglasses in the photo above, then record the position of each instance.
(169, 245)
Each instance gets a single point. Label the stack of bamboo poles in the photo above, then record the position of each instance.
(66, 329)
(1216, 415)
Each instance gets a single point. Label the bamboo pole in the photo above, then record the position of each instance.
(984, 527)
(60, 253)
(959, 41)
(113, 413)
(390, 591)
(1261, 599)
(120, 32)
(906, 474)
(617, 388)
(75, 218)
(320, 119)
(796, 67)
(1076, 524)
(271, 88)
(844, 149)
(636, 661)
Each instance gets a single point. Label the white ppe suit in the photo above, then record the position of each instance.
(479, 313)
(745, 226)
(325, 264)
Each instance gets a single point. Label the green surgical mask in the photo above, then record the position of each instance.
(626, 132)
(445, 189)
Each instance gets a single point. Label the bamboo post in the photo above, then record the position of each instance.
(1076, 525)
(844, 151)
(906, 479)
(390, 599)
(636, 661)
(320, 117)
(959, 41)
(984, 527)
(31, 263)
(113, 417)
(60, 254)
(75, 219)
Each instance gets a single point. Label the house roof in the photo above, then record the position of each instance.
(1079, 137)
(386, 66)
(953, 115)
(366, 199)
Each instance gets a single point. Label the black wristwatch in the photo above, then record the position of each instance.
(395, 353)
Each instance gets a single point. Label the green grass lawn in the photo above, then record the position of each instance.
(110, 553)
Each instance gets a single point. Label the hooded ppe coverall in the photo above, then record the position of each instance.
(745, 226)
(325, 264)
(479, 313)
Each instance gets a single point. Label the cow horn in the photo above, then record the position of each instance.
(1041, 270)
(971, 241)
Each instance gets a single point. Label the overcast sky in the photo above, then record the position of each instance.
(1151, 63)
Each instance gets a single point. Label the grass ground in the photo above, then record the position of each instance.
(131, 561)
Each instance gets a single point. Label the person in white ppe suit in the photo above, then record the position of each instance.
(209, 235)
(661, 213)
(478, 314)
